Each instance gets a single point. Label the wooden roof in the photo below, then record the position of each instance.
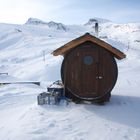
(87, 37)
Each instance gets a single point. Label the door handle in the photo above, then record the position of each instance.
(99, 77)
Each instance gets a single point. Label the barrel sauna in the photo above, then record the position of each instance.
(89, 70)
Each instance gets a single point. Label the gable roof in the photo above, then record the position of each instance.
(88, 37)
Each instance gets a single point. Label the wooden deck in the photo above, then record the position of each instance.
(5, 83)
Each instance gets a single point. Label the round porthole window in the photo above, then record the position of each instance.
(88, 60)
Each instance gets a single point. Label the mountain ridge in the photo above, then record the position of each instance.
(51, 24)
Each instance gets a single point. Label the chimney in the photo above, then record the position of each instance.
(96, 29)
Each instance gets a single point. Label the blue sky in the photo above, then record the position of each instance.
(69, 11)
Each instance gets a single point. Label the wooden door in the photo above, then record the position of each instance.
(108, 72)
(82, 71)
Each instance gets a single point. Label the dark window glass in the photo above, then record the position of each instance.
(88, 60)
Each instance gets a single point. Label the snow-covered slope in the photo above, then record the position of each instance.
(25, 54)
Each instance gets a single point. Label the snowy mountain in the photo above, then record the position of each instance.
(51, 24)
(35, 21)
(25, 54)
(58, 26)
(92, 21)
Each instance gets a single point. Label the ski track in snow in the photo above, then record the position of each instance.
(21, 56)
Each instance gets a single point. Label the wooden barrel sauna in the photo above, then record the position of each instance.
(89, 70)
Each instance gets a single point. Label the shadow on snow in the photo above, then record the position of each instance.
(121, 109)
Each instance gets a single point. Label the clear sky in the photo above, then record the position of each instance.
(69, 11)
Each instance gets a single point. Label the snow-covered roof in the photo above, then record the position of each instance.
(88, 37)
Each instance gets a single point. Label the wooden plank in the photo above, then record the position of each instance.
(5, 83)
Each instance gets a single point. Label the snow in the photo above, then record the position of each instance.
(25, 54)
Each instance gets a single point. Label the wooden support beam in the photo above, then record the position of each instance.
(5, 83)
